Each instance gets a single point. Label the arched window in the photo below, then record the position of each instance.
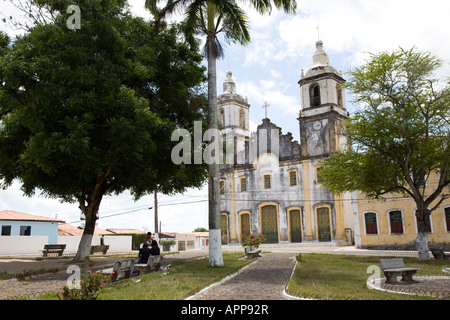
(339, 97)
(222, 116)
(314, 95)
(396, 221)
(242, 119)
(370, 219)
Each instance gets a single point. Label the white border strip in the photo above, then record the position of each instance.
(376, 285)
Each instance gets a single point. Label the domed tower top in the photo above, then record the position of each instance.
(320, 57)
(320, 62)
(228, 85)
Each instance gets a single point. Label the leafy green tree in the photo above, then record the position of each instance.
(401, 136)
(200, 229)
(90, 112)
(210, 18)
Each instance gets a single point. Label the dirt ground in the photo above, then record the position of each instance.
(21, 265)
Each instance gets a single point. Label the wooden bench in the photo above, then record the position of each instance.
(252, 252)
(101, 248)
(439, 254)
(395, 267)
(153, 264)
(122, 269)
(53, 248)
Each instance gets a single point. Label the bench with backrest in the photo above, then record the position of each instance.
(153, 264)
(392, 268)
(252, 252)
(101, 248)
(53, 248)
(122, 269)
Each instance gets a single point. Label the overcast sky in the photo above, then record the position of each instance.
(268, 70)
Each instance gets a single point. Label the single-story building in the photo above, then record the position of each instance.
(13, 223)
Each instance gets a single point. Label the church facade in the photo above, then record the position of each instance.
(269, 183)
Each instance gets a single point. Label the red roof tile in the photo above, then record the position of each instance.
(65, 229)
(14, 215)
(125, 231)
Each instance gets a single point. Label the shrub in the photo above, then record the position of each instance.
(90, 286)
(253, 240)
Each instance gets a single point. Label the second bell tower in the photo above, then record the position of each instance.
(323, 107)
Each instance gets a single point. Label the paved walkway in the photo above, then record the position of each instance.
(264, 279)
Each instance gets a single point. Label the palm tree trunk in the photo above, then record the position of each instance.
(215, 241)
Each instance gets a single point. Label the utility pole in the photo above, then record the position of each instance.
(156, 212)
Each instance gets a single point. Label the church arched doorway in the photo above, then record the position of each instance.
(244, 222)
(269, 222)
(224, 228)
(295, 225)
(323, 224)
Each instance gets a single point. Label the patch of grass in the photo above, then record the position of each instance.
(184, 279)
(345, 277)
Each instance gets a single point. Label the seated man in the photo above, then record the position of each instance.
(144, 253)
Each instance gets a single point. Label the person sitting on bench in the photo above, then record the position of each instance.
(144, 253)
(154, 251)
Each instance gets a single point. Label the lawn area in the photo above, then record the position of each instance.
(184, 279)
(345, 277)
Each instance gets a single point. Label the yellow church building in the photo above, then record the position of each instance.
(269, 183)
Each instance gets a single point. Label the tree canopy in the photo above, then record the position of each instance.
(90, 112)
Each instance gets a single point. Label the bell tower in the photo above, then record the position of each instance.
(323, 107)
(233, 115)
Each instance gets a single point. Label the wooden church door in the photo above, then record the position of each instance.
(269, 223)
(323, 224)
(295, 226)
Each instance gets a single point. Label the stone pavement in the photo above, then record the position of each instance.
(263, 279)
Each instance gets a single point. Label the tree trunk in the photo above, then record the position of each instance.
(421, 242)
(90, 212)
(215, 241)
(84, 247)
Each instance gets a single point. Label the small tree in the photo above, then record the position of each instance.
(400, 137)
(90, 112)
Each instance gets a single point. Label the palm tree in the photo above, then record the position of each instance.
(211, 17)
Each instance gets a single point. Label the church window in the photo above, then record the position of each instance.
(396, 221)
(243, 184)
(293, 178)
(222, 117)
(222, 186)
(242, 119)
(339, 97)
(371, 223)
(315, 95)
(319, 179)
(267, 181)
